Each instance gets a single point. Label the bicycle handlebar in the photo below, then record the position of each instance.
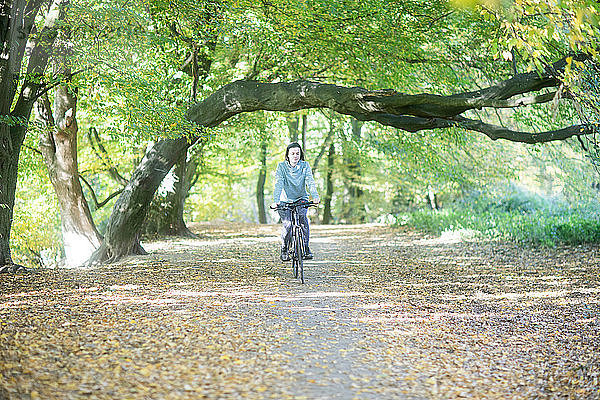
(286, 206)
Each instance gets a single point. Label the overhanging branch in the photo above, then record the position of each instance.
(388, 107)
(495, 132)
(99, 205)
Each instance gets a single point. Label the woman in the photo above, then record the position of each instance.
(291, 178)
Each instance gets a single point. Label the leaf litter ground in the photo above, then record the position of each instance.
(385, 313)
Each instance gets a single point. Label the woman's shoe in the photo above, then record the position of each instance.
(308, 255)
(285, 256)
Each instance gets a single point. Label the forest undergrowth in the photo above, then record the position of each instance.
(385, 313)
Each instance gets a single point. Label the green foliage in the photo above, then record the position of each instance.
(520, 216)
(35, 234)
(135, 83)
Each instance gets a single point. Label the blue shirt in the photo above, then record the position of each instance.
(291, 182)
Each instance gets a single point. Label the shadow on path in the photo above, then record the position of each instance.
(385, 313)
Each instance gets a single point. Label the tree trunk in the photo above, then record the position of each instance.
(304, 129)
(9, 161)
(16, 22)
(432, 198)
(293, 123)
(58, 144)
(165, 216)
(327, 217)
(324, 146)
(354, 209)
(129, 212)
(260, 185)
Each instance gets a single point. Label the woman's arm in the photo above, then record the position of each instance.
(310, 182)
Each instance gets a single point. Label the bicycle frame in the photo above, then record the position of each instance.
(296, 244)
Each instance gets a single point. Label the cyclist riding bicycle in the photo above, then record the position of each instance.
(291, 178)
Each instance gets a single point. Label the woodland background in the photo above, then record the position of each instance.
(128, 72)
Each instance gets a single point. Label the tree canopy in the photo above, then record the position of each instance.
(154, 77)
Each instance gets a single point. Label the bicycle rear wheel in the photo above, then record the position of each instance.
(295, 267)
(300, 253)
(294, 255)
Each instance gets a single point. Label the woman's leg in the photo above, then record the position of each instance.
(286, 232)
(305, 228)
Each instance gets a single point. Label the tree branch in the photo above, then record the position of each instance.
(95, 198)
(495, 132)
(39, 55)
(403, 111)
(104, 157)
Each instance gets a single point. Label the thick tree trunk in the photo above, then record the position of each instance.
(59, 147)
(17, 19)
(260, 185)
(165, 217)
(130, 210)
(9, 161)
(327, 217)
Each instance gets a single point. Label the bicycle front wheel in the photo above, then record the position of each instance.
(295, 254)
(300, 253)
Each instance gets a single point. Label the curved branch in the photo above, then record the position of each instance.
(388, 107)
(95, 198)
(104, 157)
(496, 132)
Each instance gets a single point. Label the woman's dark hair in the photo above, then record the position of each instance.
(291, 146)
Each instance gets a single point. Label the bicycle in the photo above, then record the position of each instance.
(297, 248)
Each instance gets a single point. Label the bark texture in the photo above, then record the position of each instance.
(58, 144)
(260, 184)
(327, 217)
(165, 216)
(403, 111)
(353, 209)
(129, 212)
(16, 22)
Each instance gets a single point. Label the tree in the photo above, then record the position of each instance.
(354, 209)
(17, 19)
(407, 112)
(327, 216)
(58, 144)
(192, 25)
(122, 234)
(270, 46)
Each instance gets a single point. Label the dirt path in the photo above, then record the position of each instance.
(384, 314)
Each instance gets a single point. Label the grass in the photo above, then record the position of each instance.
(518, 216)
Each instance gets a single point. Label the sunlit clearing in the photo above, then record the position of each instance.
(191, 293)
(77, 249)
(124, 287)
(516, 296)
(450, 237)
